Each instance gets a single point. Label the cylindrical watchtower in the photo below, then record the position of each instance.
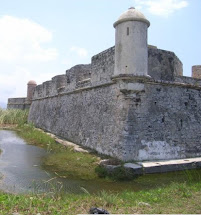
(131, 51)
(30, 89)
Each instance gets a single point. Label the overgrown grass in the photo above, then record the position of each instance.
(177, 198)
(68, 163)
(61, 159)
(36, 137)
(13, 116)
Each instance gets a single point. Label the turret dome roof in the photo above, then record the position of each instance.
(132, 15)
(31, 82)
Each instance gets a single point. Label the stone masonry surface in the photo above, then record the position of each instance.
(159, 121)
(91, 117)
(196, 71)
(18, 103)
(132, 102)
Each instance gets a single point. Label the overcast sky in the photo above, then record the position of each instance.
(43, 38)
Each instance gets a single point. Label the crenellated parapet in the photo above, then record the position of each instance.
(196, 71)
(59, 84)
(132, 102)
(162, 65)
(47, 88)
(103, 66)
(78, 76)
(38, 93)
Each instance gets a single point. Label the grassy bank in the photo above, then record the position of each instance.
(61, 159)
(179, 196)
(176, 198)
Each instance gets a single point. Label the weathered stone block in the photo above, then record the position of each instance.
(196, 71)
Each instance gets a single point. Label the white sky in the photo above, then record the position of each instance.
(42, 38)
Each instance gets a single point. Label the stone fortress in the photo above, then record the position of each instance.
(132, 102)
(23, 102)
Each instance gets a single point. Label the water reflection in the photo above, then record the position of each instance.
(20, 165)
(20, 171)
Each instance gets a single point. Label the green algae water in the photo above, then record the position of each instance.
(21, 172)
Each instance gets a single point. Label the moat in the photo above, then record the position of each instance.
(21, 171)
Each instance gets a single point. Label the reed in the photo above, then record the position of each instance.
(13, 116)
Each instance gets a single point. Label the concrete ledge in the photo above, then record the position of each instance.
(171, 165)
(141, 168)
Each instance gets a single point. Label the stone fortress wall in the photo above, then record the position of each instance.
(154, 114)
(163, 65)
(23, 102)
(88, 107)
(18, 103)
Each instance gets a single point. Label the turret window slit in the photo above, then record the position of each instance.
(127, 31)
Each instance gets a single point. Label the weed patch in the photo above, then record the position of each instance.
(62, 160)
(180, 197)
(13, 116)
(168, 200)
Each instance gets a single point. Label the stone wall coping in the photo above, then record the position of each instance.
(75, 91)
(16, 103)
(149, 80)
(19, 98)
(199, 66)
(172, 83)
(141, 79)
